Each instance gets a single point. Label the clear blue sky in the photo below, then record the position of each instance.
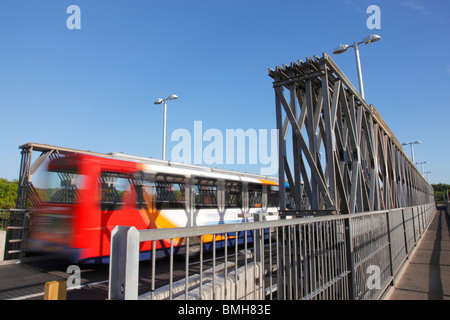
(94, 88)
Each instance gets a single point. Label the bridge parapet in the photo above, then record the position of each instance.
(333, 257)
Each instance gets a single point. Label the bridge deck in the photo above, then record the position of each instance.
(427, 276)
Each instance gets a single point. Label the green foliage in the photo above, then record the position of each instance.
(8, 193)
(441, 187)
(440, 191)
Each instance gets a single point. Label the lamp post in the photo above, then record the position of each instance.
(428, 175)
(344, 47)
(412, 149)
(159, 101)
(421, 164)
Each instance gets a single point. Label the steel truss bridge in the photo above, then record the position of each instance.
(364, 205)
(361, 200)
(343, 157)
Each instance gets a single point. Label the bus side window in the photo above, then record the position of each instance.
(273, 196)
(205, 192)
(145, 195)
(160, 191)
(170, 195)
(233, 194)
(63, 186)
(254, 195)
(289, 199)
(115, 187)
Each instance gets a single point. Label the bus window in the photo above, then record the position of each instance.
(233, 194)
(273, 196)
(161, 192)
(290, 203)
(145, 194)
(63, 187)
(254, 195)
(115, 187)
(205, 191)
(170, 195)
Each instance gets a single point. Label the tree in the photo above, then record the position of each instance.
(440, 191)
(8, 193)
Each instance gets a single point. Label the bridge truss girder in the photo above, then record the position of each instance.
(27, 195)
(364, 168)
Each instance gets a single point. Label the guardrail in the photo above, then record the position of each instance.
(16, 223)
(447, 206)
(353, 256)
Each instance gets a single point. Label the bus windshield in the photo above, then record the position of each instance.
(63, 186)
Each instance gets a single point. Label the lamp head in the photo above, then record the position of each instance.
(371, 38)
(173, 97)
(159, 101)
(341, 49)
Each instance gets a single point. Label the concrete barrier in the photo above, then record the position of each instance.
(2, 244)
(229, 289)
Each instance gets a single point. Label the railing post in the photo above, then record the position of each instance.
(350, 261)
(259, 244)
(391, 259)
(124, 264)
(259, 254)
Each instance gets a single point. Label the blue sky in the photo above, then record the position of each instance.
(94, 88)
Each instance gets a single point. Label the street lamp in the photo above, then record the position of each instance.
(159, 101)
(421, 164)
(428, 175)
(412, 149)
(371, 38)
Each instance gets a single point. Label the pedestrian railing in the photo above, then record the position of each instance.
(330, 257)
(16, 224)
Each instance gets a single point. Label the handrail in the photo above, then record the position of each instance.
(312, 256)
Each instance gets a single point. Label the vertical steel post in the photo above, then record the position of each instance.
(358, 66)
(124, 264)
(164, 130)
(22, 193)
(350, 261)
(281, 154)
(258, 239)
(391, 253)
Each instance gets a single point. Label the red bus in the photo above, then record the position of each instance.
(86, 196)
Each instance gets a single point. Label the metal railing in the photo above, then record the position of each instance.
(16, 223)
(354, 256)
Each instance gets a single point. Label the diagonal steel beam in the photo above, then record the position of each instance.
(303, 145)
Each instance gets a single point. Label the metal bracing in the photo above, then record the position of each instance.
(341, 152)
(26, 191)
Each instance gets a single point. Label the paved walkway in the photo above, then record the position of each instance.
(427, 276)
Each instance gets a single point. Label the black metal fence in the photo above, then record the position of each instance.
(16, 224)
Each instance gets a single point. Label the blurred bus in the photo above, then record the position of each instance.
(86, 196)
